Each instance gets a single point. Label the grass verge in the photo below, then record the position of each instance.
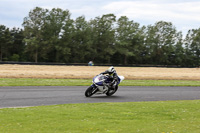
(87, 82)
(145, 117)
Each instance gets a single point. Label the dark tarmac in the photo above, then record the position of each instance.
(23, 96)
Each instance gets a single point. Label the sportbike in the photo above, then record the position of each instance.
(98, 86)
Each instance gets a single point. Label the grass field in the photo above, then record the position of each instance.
(35, 75)
(88, 82)
(141, 117)
(87, 72)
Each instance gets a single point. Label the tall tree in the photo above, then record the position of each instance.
(66, 40)
(53, 28)
(161, 38)
(18, 46)
(5, 43)
(2, 40)
(192, 44)
(103, 35)
(33, 26)
(127, 37)
(82, 44)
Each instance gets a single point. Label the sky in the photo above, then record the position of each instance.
(184, 14)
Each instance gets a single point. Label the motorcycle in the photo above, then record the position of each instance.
(98, 85)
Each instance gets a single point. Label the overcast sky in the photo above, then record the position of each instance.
(184, 14)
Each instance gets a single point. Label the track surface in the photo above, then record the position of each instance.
(51, 95)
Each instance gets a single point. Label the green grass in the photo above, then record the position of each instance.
(43, 82)
(161, 83)
(133, 117)
(87, 82)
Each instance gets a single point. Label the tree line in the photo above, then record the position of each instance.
(53, 36)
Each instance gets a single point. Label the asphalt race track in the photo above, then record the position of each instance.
(51, 95)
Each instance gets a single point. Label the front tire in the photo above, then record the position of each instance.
(90, 91)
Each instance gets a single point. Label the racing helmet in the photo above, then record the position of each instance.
(111, 70)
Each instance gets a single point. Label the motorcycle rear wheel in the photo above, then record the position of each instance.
(111, 92)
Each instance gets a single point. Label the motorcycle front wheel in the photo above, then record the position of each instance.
(90, 91)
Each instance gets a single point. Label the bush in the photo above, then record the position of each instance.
(14, 57)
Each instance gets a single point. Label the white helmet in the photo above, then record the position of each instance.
(111, 69)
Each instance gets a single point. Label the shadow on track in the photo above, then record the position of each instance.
(107, 97)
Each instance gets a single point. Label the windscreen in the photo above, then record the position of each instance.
(102, 78)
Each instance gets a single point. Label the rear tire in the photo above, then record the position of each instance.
(90, 91)
(111, 92)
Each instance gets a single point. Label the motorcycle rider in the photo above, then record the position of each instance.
(113, 76)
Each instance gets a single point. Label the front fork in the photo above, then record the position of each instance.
(105, 88)
(95, 88)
